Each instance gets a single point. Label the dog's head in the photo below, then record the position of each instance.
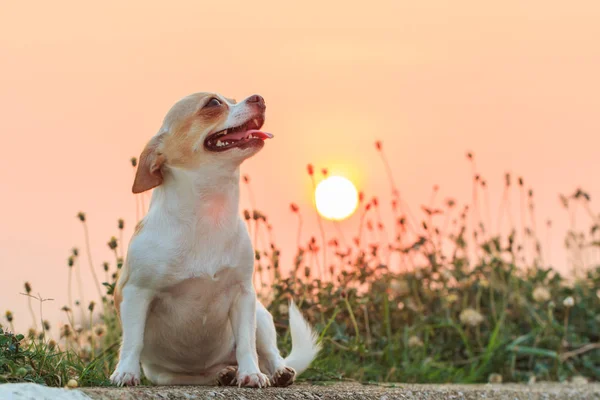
(202, 129)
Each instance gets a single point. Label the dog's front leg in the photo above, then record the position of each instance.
(243, 322)
(134, 310)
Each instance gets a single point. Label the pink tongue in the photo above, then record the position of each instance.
(260, 134)
(240, 135)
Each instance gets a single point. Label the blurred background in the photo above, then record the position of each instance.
(84, 86)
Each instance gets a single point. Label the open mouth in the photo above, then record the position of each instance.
(242, 136)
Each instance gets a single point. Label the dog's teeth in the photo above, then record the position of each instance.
(219, 143)
(255, 121)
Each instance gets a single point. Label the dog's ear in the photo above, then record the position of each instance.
(149, 174)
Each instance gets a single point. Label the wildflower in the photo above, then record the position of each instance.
(410, 303)
(27, 287)
(310, 169)
(247, 215)
(121, 224)
(31, 333)
(9, 316)
(361, 197)
(495, 378)
(51, 344)
(569, 302)
(246, 179)
(85, 352)
(415, 341)
(78, 328)
(99, 330)
(470, 155)
(401, 306)
(541, 294)
(447, 274)
(294, 207)
(46, 325)
(133, 161)
(66, 331)
(72, 384)
(112, 243)
(283, 309)
(105, 266)
(471, 317)
(451, 298)
(71, 261)
(400, 287)
(91, 306)
(324, 171)
(378, 145)
(307, 271)
(81, 216)
(75, 251)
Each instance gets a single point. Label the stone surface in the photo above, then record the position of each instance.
(348, 391)
(345, 391)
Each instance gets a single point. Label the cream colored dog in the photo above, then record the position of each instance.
(185, 296)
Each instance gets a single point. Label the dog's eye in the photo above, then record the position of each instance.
(213, 103)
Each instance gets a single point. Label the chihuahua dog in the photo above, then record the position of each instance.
(185, 296)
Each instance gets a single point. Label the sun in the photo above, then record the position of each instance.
(336, 198)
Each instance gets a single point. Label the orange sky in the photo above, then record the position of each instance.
(83, 87)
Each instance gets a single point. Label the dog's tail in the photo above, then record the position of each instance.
(304, 342)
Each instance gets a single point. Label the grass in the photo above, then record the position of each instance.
(435, 298)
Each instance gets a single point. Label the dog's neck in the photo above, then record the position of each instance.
(205, 197)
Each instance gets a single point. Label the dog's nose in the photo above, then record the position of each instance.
(256, 99)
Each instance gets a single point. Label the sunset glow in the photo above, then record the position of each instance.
(336, 198)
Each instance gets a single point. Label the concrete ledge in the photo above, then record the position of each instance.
(348, 391)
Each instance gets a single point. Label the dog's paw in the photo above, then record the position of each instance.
(227, 376)
(283, 377)
(125, 377)
(254, 380)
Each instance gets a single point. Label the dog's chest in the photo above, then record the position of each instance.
(212, 263)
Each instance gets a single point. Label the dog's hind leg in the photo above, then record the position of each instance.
(270, 361)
